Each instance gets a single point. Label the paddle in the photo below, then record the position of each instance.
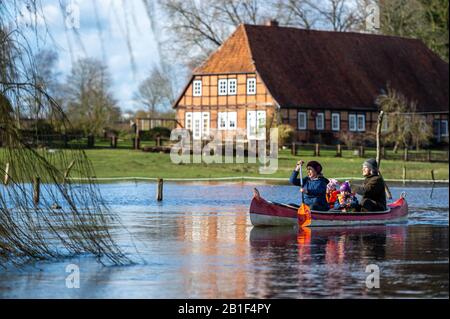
(303, 213)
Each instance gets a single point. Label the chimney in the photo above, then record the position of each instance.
(272, 23)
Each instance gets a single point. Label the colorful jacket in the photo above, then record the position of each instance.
(332, 197)
(316, 189)
(346, 201)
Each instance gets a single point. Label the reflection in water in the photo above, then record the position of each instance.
(199, 243)
(332, 261)
(214, 242)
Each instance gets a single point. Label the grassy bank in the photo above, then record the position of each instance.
(122, 163)
(128, 163)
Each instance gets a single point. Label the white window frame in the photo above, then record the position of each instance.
(232, 118)
(196, 119)
(251, 86)
(363, 117)
(335, 123)
(322, 126)
(444, 132)
(305, 124)
(188, 116)
(205, 130)
(232, 87)
(227, 118)
(222, 119)
(352, 120)
(202, 131)
(257, 120)
(222, 87)
(197, 88)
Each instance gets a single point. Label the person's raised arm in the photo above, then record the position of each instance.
(293, 179)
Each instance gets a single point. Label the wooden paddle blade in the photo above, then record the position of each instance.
(304, 215)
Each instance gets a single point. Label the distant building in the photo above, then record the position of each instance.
(321, 83)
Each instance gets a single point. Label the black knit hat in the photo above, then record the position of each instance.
(371, 163)
(316, 165)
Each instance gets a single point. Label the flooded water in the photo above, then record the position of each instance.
(199, 243)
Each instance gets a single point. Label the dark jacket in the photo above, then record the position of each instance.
(316, 189)
(373, 190)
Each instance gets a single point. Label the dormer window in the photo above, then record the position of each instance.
(251, 86)
(197, 88)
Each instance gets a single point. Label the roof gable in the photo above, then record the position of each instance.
(233, 56)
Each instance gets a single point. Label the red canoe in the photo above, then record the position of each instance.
(266, 213)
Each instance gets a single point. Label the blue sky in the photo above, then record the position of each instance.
(112, 15)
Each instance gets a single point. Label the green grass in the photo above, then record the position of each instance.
(129, 163)
(124, 162)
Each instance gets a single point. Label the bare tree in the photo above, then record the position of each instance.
(405, 127)
(155, 92)
(90, 105)
(198, 27)
(338, 15)
(296, 13)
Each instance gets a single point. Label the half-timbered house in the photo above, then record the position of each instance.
(321, 83)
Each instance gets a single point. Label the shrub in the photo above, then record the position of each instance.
(285, 134)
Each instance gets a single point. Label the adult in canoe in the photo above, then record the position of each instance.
(314, 185)
(372, 190)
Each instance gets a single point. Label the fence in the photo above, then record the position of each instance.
(365, 152)
(297, 149)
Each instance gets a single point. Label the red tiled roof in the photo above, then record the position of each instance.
(234, 54)
(334, 70)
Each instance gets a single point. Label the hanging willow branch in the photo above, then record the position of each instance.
(30, 231)
(70, 219)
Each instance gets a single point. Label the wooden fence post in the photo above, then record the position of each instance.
(406, 154)
(158, 141)
(114, 141)
(429, 156)
(317, 150)
(383, 152)
(65, 140)
(6, 180)
(361, 151)
(36, 190)
(137, 143)
(404, 174)
(432, 186)
(159, 194)
(294, 149)
(90, 141)
(338, 151)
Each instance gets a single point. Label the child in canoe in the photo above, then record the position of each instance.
(332, 192)
(346, 200)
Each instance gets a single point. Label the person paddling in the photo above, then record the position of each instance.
(314, 185)
(372, 190)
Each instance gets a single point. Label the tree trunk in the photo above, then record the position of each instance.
(379, 122)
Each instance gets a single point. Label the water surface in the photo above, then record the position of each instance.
(199, 243)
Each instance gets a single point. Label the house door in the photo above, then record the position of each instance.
(256, 125)
(200, 125)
